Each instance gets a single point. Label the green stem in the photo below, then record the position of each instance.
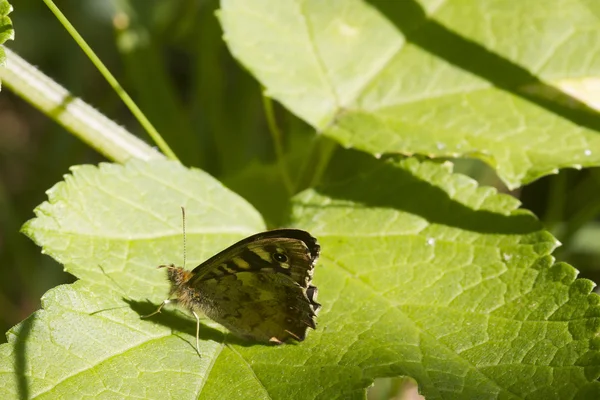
(278, 143)
(112, 82)
(556, 204)
(108, 138)
(326, 149)
(315, 165)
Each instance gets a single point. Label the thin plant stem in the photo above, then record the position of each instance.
(556, 206)
(278, 143)
(112, 81)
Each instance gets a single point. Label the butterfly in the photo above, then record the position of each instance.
(259, 288)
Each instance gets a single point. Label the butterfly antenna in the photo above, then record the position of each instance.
(183, 224)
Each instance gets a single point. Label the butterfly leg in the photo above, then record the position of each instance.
(166, 301)
(197, 331)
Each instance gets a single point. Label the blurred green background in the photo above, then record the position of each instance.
(170, 57)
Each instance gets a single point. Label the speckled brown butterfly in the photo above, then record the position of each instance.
(259, 288)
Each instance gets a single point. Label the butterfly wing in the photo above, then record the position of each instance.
(260, 287)
(261, 306)
(290, 252)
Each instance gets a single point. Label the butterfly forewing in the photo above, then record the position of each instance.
(291, 252)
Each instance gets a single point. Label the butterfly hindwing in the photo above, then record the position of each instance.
(260, 306)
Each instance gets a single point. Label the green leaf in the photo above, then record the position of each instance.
(422, 274)
(6, 28)
(511, 83)
(452, 285)
(111, 226)
(127, 219)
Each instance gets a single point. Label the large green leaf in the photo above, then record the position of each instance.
(512, 83)
(422, 274)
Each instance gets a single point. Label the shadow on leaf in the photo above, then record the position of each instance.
(410, 19)
(177, 320)
(22, 332)
(174, 319)
(386, 184)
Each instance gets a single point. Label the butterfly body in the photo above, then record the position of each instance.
(259, 288)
